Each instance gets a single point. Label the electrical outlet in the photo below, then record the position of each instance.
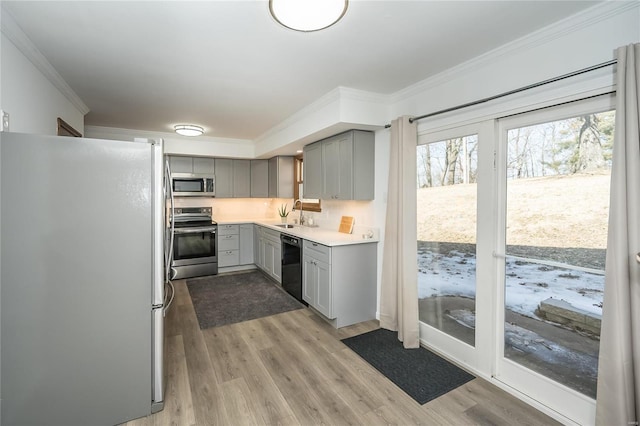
(5, 120)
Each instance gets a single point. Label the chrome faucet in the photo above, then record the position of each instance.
(301, 221)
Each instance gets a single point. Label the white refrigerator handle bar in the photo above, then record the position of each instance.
(169, 257)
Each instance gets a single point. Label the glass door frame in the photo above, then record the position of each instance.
(568, 403)
(477, 358)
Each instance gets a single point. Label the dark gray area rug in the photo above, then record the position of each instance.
(420, 373)
(226, 299)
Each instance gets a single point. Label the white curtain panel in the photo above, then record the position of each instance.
(618, 401)
(399, 292)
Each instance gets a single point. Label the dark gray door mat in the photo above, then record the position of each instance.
(226, 299)
(420, 373)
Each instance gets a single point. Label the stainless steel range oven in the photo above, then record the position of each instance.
(195, 243)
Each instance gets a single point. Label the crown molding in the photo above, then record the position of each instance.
(119, 133)
(13, 32)
(363, 96)
(580, 20)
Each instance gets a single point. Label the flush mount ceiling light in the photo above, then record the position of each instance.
(188, 130)
(308, 15)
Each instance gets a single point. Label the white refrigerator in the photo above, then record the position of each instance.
(82, 280)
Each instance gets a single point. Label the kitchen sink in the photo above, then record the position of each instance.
(284, 225)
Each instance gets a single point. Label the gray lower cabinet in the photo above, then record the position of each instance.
(317, 285)
(235, 245)
(268, 251)
(228, 245)
(246, 244)
(259, 178)
(340, 282)
(258, 247)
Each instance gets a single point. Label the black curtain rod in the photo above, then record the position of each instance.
(511, 92)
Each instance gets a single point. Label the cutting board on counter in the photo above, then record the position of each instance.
(346, 224)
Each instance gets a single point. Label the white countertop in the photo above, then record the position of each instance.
(323, 236)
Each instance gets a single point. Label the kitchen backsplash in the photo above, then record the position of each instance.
(225, 209)
(332, 212)
(229, 209)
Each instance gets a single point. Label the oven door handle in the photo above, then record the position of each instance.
(198, 230)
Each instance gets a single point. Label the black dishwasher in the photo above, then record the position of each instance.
(292, 266)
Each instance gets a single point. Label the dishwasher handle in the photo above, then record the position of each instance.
(291, 240)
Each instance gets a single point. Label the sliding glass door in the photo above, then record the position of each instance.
(554, 171)
(512, 227)
(447, 205)
(446, 200)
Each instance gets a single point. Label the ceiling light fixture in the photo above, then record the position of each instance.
(188, 130)
(308, 15)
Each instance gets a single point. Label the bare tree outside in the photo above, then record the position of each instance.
(449, 162)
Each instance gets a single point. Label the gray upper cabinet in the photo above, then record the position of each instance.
(259, 178)
(224, 177)
(281, 177)
(233, 178)
(200, 165)
(363, 164)
(271, 178)
(241, 178)
(337, 158)
(312, 170)
(203, 165)
(346, 170)
(181, 164)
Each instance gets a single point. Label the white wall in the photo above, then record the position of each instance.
(586, 39)
(180, 145)
(33, 102)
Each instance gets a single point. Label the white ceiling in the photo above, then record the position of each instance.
(229, 67)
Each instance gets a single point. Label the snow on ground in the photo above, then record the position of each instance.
(527, 284)
(532, 344)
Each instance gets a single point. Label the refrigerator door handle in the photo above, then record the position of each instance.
(167, 304)
(157, 204)
(169, 257)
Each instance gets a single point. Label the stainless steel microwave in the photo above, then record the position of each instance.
(193, 185)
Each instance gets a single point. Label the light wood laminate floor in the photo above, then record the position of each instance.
(292, 369)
